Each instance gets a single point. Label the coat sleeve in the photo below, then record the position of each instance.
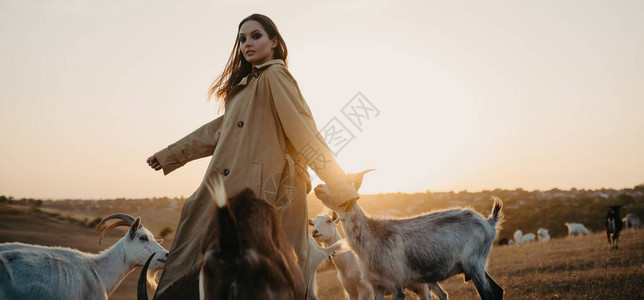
(301, 131)
(200, 143)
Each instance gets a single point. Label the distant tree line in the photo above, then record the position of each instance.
(525, 210)
(23, 201)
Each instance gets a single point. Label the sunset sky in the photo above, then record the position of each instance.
(471, 94)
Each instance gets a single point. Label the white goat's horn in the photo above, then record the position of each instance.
(366, 171)
(124, 220)
(356, 178)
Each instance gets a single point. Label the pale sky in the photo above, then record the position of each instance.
(472, 94)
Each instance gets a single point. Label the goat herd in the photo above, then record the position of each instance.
(247, 256)
(612, 222)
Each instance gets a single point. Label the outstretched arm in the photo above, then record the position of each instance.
(200, 143)
(302, 132)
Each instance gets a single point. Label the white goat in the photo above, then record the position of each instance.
(39, 272)
(423, 249)
(631, 220)
(355, 287)
(317, 255)
(530, 237)
(543, 235)
(576, 228)
(518, 237)
(346, 263)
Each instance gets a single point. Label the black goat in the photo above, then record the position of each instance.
(613, 225)
(503, 241)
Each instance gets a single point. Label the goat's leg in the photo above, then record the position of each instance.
(398, 293)
(496, 288)
(378, 292)
(438, 290)
(350, 296)
(482, 286)
(310, 289)
(477, 273)
(421, 289)
(616, 238)
(364, 292)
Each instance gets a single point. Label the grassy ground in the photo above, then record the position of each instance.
(566, 268)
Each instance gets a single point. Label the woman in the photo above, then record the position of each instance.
(265, 141)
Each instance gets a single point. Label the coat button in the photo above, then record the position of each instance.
(226, 171)
(240, 124)
(256, 74)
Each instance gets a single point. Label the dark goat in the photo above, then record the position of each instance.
(613, 225)
(503, 241)
(245, 252)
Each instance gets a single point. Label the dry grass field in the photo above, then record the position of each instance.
(564, 268)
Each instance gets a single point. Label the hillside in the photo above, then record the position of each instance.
(525, 210)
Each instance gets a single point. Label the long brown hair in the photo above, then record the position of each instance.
(237, 67)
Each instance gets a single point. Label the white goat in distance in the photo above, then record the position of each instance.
(543, 235)
(577, 228)
(424, 249)
(631, 220)
(40, 272)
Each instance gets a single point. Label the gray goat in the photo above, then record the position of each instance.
(426, 248)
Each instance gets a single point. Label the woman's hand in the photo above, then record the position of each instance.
(154, 163)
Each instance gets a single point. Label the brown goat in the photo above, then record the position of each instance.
(245, 252)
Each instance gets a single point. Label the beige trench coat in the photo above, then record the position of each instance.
(266, 135)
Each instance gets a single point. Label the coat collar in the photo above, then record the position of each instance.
(270, 62)
(278, 61)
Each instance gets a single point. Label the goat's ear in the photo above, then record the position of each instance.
(310, 222)
(356, 179)
(334, 217)
(159, 241)
(134, 227)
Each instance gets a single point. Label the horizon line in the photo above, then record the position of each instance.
(364, 194)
